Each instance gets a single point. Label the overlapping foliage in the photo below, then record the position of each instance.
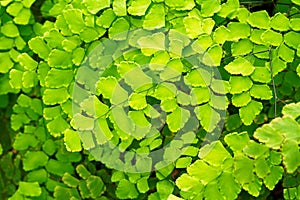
(46, 130)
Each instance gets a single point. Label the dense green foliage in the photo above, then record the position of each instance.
(92, 91)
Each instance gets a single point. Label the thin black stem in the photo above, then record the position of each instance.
(250, 54)
(273, 81)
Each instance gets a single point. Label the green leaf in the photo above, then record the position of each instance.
(202, 43)
(152, 44)
(189, 183)
(106, 18)
(228, 8)
(28, 3)
(218, 102)
(203, 172)
(165, 91)
(267, 135)
(119, 7)
(207, 25)
(198, 78)
(220, 86)
(237, 141)
(190, 23)
(272, 38)
(240, 66)
(228, 186)
(34, 159)
(119, 29)
(249, 112)
(24, 141)
(155, 18)
(239, 84)
(6, 43)
(57, 126)
(142, 126)
(138, 7)
(50, 113)
(221, 34)
(209, 118)
(106, 86)
(213, 56)
(159, 60)
(233, 122)
(291, 155)
(291, 110)
(82, 171)
(164, 188)
(238, 30)
(273, 177)
(137, 101)
(102, 131)
(183, 162)
(177, 119)
(261, 92)
(254, 187)
(200, 95)
(23, 17)
(169, 105)
(214, 154)
(84, 191)
(15, 77)
(5, 62)
(121, 120)
(80, 122)
(57, 78)
(212, 191)
(59, 168)
(259, 19)
(95, 6)
(72, 140)
(142, 185)
(74, 19)
(256, 36)
(277, 65)
(255, 150)
(29, 79)
(70, 180)
(292, 39)
(210, 7)
(14, 8)
(297, 2)
(280, 22)
(39, 175)
(239, 100)
(241, 47)
(31, 189)
(89, 34)
(55, 96)
(262, 168)
(27, 62)
(294, 24)
(49, 147)
(95, 186)
(38, 46)
(243, 169)
(9, 29)
(60, 59)
(261, 74)
(94, 107)
(181, 5)
(126, 190)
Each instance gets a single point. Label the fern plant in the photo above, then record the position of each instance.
(127, 99)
